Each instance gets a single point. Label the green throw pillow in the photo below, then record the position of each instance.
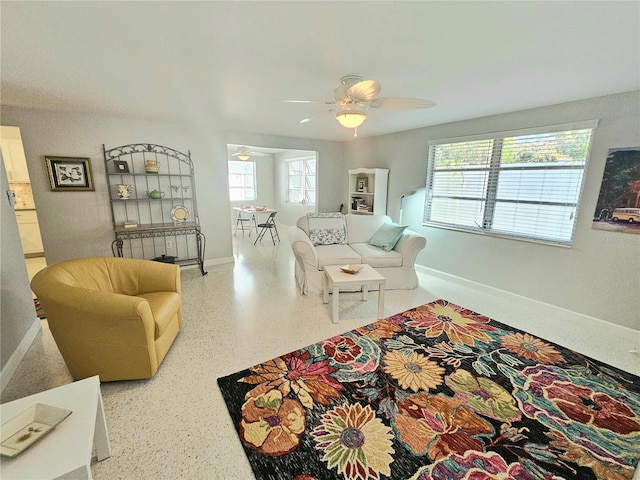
(387, 236)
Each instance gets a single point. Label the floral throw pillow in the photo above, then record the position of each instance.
(327, 228)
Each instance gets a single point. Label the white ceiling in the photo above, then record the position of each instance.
(230, 64)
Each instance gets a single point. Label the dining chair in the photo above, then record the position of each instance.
(269, 225)
(241, 221)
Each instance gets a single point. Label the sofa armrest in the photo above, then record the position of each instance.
(303, 249)
(408, 246)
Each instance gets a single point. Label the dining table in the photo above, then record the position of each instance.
(252, 211)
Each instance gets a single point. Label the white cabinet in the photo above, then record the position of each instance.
(368, 191)
(15, 162)
(29, 232)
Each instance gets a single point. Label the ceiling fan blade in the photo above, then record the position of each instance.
(257, 154)
(308, 101)
(401, 103)
(365, 90)
(305, 120)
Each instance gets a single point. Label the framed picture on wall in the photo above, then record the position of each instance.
(69, 174)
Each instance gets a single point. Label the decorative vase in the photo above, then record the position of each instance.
(152, 166)
(123, 191)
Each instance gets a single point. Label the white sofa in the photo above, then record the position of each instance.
(396, 265)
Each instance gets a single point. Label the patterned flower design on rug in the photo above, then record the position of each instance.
(355, 442)
(459, 324)
(477, 466)
(531, 348)
(414, 371)
(436, 392)
(270, 424)
(308, 380)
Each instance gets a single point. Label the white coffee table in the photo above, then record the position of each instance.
(334, 279)
(65, 453)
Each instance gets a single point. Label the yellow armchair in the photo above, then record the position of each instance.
(109, 316)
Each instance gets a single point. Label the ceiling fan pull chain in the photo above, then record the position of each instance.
(355, 132)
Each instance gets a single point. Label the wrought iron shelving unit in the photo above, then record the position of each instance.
(149, 220)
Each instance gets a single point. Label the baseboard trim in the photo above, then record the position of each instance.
(210, 262)
(218, 261)
(16, 357)
(517, 297)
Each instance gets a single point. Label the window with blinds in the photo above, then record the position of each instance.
(301, 181)
(524, 184)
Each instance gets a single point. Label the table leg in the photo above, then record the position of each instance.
(335, 306)
(381, 301)
(325, 287)
(100, 434)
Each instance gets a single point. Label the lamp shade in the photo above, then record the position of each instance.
(351, 115)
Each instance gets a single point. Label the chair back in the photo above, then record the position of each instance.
(272, 218)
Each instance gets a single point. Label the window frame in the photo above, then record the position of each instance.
(304, 160)
(493, 169)
(253, 177)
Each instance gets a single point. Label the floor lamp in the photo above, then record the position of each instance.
(408, 194)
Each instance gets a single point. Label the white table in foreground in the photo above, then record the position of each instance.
(334, 278)
(65, 453)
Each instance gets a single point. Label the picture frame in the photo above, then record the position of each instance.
(69, 174)
(362, 184)
(121, 166)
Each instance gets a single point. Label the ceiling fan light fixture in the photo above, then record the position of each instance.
(244, 156)
(351, 116)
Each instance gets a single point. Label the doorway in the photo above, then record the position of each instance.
(15, 164)
(261, 177)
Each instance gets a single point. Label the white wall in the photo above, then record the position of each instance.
(599, 276)
(18, 319)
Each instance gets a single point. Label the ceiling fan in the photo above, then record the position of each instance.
(355, 95)
(244, 153)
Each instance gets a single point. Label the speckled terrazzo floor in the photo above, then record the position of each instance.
(176, 426)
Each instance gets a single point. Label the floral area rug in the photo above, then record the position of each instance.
(436, 392)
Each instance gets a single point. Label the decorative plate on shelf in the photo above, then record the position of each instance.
(179, 213)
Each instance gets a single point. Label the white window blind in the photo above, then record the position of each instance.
(525, 185)
(301, 181)
(242, 181)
